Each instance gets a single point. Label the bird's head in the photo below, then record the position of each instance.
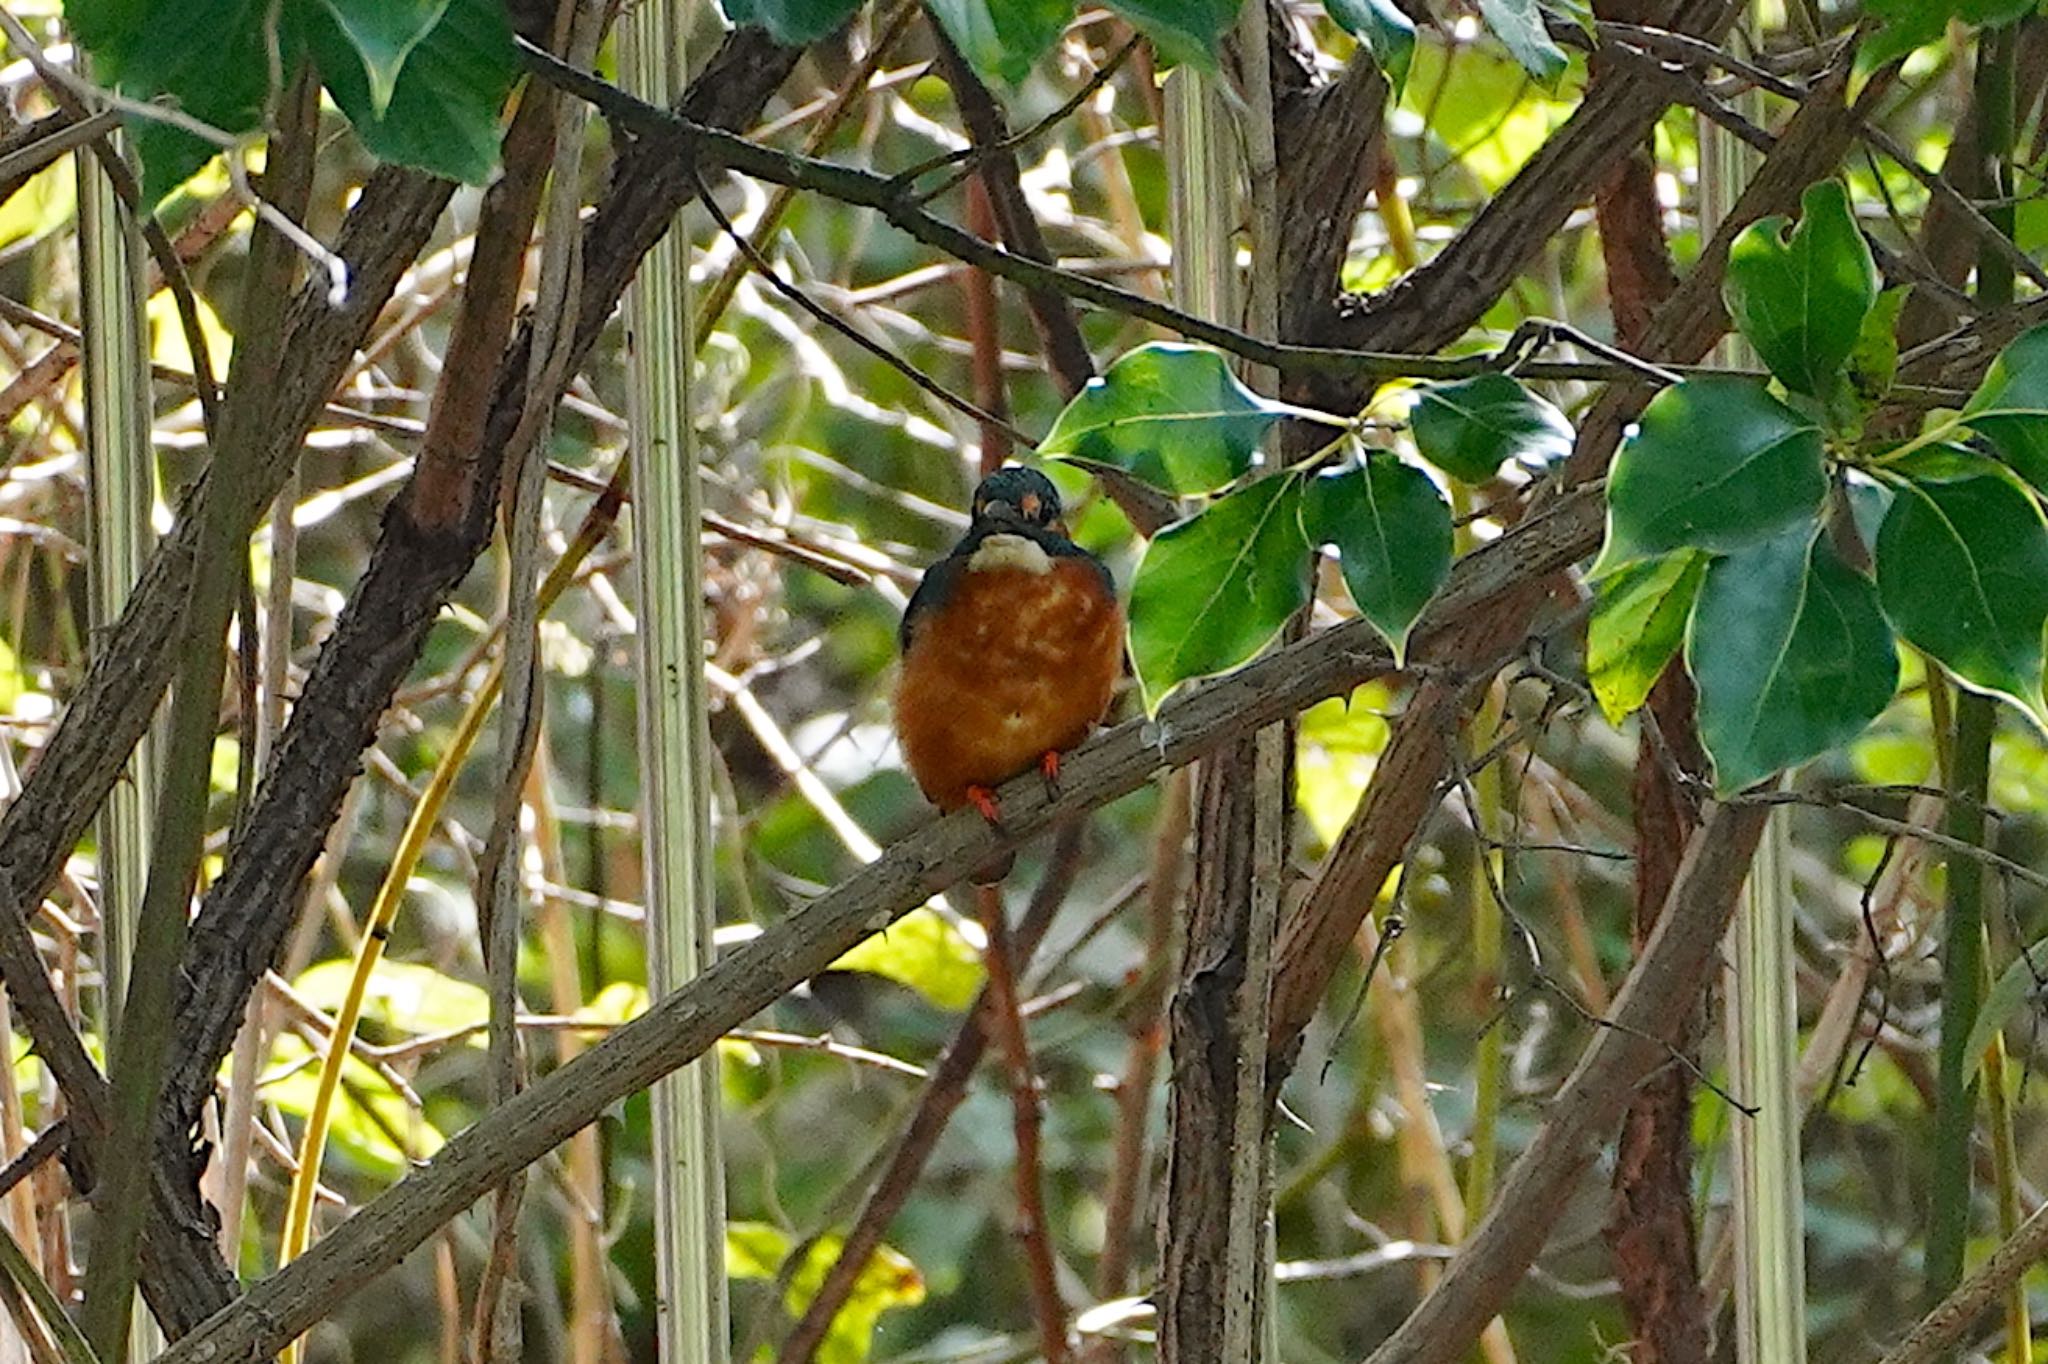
(1017, 497)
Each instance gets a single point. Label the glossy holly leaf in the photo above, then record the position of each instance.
(1638, 626)
(443, 112)
(384, 33)
(1801, 300)
(1213, 589)
(1470, 428)
(1385, 32)
(1962, 570)
(1519, 26)
(1003, 39)
(1171, 415)
(1392, 531)
(206, 55)
(1716, 463)
(1791, 655)
(1182, 30)
(926, 953)
(793, 23)
(2010, 407)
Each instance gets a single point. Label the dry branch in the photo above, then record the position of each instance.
(1646, 1019)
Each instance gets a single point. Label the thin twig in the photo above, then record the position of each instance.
(1007, 1023)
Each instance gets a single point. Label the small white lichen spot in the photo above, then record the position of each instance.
(1009, 551)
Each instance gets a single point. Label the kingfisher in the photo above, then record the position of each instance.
(1012, 648)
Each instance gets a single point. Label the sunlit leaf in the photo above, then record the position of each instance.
(2010, 406)
(793, 23)
(1338, 748)
(1638, 626)
(1003, 39)
(1716, 464)
(47, 202)
(1519, 26)
(1172, 415)
(1962, 570)
(1392, 531)
(926, 953)
(1472, 427)
(1213, 589)
(1801, 300)
(1790, 653)
(402, 994)
(373, 1124)
(1387, 33)
(757, 1250)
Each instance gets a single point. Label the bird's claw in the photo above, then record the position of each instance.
(984, 800)
(1049, 770)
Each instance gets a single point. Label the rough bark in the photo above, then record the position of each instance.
(1650, 1228)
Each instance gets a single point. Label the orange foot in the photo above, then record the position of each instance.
(984, 799)
(1049, 769)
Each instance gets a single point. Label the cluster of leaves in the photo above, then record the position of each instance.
(1003, 39)
(1214, 588)
(421, 81)
(1738, 518)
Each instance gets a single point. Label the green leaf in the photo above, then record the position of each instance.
(1717, 464)
(1519, 26)
(1790, 653)
(207, 55)
(1003, 39)
(757, 1250)
(1909, 24)
(926, 953)
(1172, 415)
(2002, 1003)
(1392, 530)
(370, 1117)
(401, 994)
(1874, 360)
(1387, 33)
(1801, 300)
(1962, 570)
(443, 113)
(384, 33)
(1637, 627)
(1182, 30)
(793, 23)
(2010, 407)
(1470, 428)
(1211, 590)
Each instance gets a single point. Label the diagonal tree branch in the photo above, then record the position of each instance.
(1646, 1019)
(937, 856)
(420, 557)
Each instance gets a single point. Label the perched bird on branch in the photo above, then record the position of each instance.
(1012, 646)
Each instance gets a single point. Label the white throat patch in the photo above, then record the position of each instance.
(1009, 551)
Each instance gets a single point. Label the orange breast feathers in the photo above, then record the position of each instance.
(1014, 656)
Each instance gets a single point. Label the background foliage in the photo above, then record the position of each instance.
(1825, 541)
